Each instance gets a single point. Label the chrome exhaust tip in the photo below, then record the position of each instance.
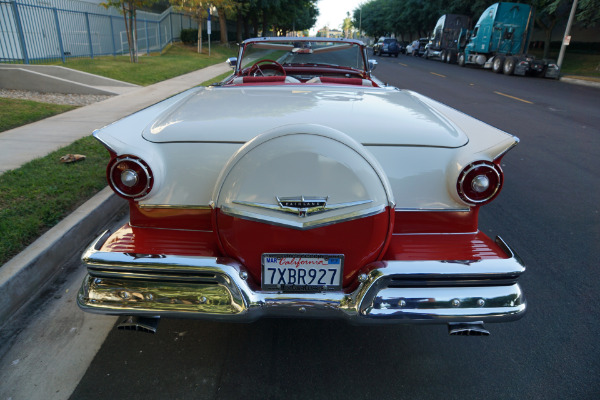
(467, 329)
(142, 324)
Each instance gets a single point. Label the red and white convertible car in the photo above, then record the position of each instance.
(301, 186)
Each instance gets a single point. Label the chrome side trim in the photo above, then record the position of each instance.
(219, 288)
(301, 225)
(516, 142)
(432, 209)
(175, 206)
(435, 233)
(96, 135)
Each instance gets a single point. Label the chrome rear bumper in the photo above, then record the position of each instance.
(218, 289)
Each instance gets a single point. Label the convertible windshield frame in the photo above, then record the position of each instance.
(348, 54)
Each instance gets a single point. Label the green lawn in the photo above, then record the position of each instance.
(574, 63)
(36, 196)
(177, 60)
(581, 64)
(14, 113)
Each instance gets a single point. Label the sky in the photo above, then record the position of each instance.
(333, 12)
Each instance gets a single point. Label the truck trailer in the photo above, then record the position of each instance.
(500, 40)
(444, 44)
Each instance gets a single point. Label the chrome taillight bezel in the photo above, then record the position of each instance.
(464, 184)
(119, 165)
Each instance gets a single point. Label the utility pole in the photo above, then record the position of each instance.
(567, 37)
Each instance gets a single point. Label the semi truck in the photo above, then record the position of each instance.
(500, 40)
(444, 43)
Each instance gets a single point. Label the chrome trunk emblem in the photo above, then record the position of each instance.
(302, 206)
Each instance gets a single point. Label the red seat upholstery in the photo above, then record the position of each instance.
(342, 81)
(258, 79)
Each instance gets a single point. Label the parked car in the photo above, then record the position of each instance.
(403, 45)
(423, 42)
(387, 46)
(302, 186)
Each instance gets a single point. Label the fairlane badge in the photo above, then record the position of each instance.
(302, 205)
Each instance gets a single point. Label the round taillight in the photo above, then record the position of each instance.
(479, 182)
(130, 177)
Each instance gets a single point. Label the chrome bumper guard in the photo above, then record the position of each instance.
(218, 288)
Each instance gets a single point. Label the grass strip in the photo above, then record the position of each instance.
(36, 196)
(16, 112)
(177, 59)
(574, 63)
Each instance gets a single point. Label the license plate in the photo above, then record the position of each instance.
(302, 272)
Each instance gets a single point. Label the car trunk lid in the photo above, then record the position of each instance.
(371, 116)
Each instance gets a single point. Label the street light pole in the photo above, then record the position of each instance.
(567, 37)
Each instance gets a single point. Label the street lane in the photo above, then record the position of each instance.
(548, 211)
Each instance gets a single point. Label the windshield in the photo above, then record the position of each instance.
(289, 52)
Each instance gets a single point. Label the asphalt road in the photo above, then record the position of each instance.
(548, 211)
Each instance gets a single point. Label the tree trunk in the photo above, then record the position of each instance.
(128, 31)
(246, 28)
(255, 26)
(133, 27)
(199, 32)
(239, 28)
(264, 25)
(223, 26)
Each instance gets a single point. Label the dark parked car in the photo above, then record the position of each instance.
(387, 46)
(403, 45)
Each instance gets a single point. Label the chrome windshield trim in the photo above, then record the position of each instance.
(268, 219)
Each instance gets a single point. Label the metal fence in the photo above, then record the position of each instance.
(46, 30)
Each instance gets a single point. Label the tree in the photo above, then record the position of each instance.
(347, 25)
(282, 16)
(548, 14)
(129, 8)
(198, 9)
(224, 7)
(587, 14)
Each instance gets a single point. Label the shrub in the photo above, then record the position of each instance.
(189, 36)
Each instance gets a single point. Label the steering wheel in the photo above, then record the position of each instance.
(256, 71)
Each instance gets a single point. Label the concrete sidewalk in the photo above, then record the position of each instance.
(21, 145)
(27, 274)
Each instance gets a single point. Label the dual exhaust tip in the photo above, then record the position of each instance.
(467, 329)
(139, 324)
(150, 325)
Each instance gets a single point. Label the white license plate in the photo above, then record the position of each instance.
(302, 272)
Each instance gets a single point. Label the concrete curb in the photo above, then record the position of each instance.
(582, 82)
(27, 274)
